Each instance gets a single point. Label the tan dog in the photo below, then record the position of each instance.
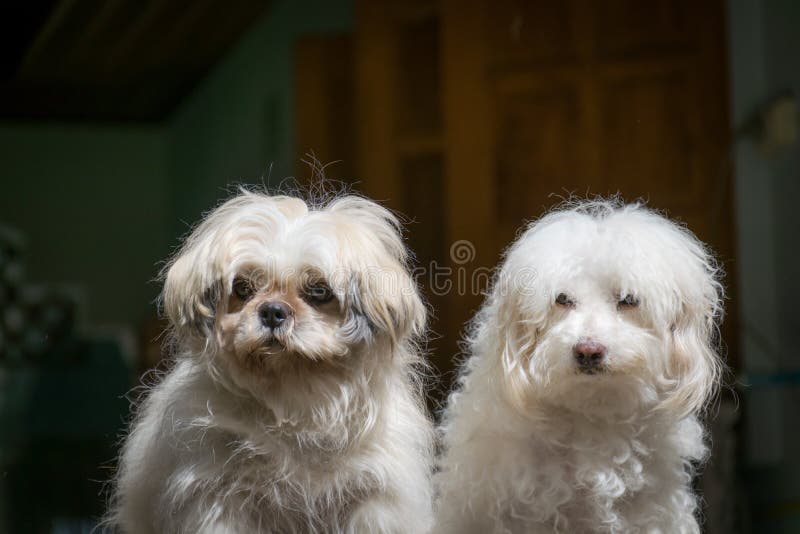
(293, 404)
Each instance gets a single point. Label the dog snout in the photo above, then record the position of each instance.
(589, 353)
(274, 314)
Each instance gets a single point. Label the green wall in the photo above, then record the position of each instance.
(764, 61)
(92, 203)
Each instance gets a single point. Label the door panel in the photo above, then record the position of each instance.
(474, 116)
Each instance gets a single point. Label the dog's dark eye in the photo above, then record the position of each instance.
(628, 301)
(318, 293)
(563, 300)
(242, 289)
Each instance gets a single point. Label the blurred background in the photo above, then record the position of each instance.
(122, 121)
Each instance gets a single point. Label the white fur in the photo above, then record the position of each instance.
(533, 445)
(328, 434)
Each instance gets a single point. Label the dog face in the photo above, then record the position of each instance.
(266, 282)
(608, 308)
(285, 311)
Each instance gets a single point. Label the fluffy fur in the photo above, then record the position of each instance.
(313, 425)
(538, 440)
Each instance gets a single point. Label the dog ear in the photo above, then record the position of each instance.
(194, 281)
(381, 292)
(388, 301)
(516, 342)
(694, 365)
(190, 296)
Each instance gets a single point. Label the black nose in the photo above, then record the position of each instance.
(589, 354)
(273, 314)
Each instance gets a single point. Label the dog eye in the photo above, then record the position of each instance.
(242, 289)
(628, 301)
(563, 300)
(318, 293)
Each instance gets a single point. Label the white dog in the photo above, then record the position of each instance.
(590, 362)
(294, 403)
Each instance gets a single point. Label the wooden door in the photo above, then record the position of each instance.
(598, 97)
(401, 141)
(547, 99)
(474, 116)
